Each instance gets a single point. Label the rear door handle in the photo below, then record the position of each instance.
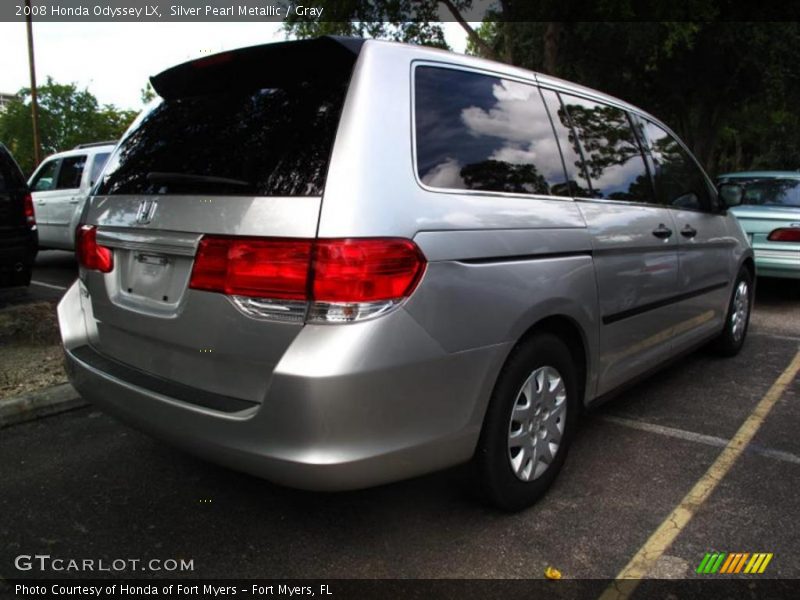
(662, 232)
(688, 231)
(74, 200)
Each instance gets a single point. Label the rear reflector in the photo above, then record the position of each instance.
(90, 255)
(785, 234)
(345, 278)
(27, 207)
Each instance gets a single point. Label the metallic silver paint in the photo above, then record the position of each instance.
(355, 404)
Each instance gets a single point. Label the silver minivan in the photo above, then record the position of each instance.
(337, 263)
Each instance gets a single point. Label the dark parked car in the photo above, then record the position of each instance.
(18, 235)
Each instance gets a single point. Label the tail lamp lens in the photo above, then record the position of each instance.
(785, 234)
(90, 254)
(348, 277)
(27, 208)
(365, 270)
(263, 268)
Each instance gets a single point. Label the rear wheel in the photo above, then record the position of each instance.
(529, 423)
(731, 340)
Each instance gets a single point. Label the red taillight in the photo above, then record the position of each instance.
(265, 268)
(342, 270)
(27, 208)
(90, 255)
(365, 270)
(785, 234)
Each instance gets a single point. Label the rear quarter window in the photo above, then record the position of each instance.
(10, 176)
(478, 132)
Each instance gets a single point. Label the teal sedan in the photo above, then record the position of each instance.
(769, 213)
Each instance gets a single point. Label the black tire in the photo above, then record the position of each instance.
(497, 479)
(728, 343)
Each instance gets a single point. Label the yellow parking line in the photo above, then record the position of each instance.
(642, 562)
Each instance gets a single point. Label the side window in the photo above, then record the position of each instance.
(578, 184)
(3, 187)
(679, 181)
(610, 151)
(98, 163)
(69, 177)
(478, 132)
(45, 179)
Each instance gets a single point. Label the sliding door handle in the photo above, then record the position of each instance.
(662, 232)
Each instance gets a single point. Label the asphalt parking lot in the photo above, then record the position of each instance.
(81, 484)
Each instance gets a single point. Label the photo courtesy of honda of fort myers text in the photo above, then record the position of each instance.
(410, 299)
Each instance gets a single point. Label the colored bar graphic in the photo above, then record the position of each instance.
(728, 563)
(703, 563)
(754, 563)
(765, 563)
(717, 563)
(741, 562)
(734, 562)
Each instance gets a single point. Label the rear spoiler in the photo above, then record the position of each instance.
(255, 67)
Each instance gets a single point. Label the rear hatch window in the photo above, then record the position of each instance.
(257, 121)
(12, 191)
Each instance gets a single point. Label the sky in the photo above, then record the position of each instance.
(115, 60)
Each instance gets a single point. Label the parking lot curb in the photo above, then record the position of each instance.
(39, 403)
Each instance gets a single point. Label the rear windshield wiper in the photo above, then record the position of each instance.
(159, 177)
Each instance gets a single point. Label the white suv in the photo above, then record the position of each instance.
(60, 187)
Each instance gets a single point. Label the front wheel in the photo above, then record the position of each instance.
(529, 423)
(731, 340)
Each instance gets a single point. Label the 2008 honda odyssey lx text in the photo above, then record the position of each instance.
(336, 263)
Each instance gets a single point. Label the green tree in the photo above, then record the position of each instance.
(729, 88)
(147, 93)
(410, 21)
(67, 116)
(500, 175)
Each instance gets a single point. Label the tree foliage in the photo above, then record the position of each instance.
(67, 116)
(728, 87)
(410, 21)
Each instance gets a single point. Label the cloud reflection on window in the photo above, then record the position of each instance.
(484, 133)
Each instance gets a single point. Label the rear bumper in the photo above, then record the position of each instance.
(348, 406)
(778, 263)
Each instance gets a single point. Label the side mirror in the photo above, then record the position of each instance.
(731, 194)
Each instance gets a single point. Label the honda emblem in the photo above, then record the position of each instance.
(147, 208)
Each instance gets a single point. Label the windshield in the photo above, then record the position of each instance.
(772, 192)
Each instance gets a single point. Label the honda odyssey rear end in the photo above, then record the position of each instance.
(284, 270)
